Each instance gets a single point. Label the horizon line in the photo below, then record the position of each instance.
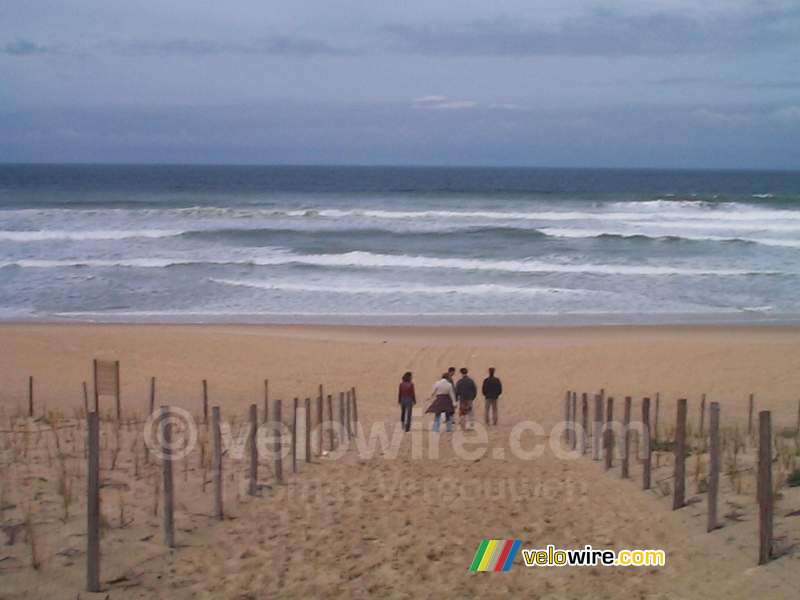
(442, 166)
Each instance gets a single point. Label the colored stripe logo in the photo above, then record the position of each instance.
(495, 555)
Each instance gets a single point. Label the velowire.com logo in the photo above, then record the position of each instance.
(495, 555)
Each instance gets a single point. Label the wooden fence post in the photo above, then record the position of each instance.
(355, 408)
(169, 493)
(342, 431)
(117, 389)
(152, 396)
(266, 400)
(644, 438)
(797, 429)
(574, 420)
(205, 402)
(750, 415)
(585, 418)
(93, 505)
(96, 394)
(330, 420)
(655, 417)
(597, 426)
(567, 399)
(609, 433)
(319, 425)
(713, 474)
(702, 415)
(30, 395)
(308, 430)
(86, 400)
(278, 444)
(294, 437)
(626, 438)
(348, 412)
(764, 487)
(253, 488)
(678, 497)
(216, 466)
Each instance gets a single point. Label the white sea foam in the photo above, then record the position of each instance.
(628, 233)
(54, 235)
(370, 260)
(487, 289)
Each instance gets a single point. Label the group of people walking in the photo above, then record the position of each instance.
(448, 394)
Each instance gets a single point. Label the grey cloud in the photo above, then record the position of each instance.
(736, 85)
(24, 47)
(605, 33)
(767, 85)
(278, 45)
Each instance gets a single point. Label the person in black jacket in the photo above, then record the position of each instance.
(466, 391)
(492, 388)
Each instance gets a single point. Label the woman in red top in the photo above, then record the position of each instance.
(406, 398)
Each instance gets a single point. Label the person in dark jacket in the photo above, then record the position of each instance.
(492, 388)
(466, 391)
(406, 398)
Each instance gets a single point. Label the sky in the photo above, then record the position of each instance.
(618, 83)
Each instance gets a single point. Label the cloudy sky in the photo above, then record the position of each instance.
(509, 82)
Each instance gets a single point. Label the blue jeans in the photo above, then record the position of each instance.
(448, 418)
(406, 406)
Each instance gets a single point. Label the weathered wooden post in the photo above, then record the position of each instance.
(764, 486)
(713, 473)
(678, 498)
(567, 398)
(585, 418)
(278, 444)
(30, 395)
(169, 493)
(574, 420)
(609, 433)
(294, 437)
(655, 418)
(216, 465)
(117, 389)
(645, 439)
(797, 429)
(152, 396)
(343, 430)
(319, 423)
(348, 418)
(626, 438)
(86, 400)
(750, 415)
(93, 504)
(266, 400)
(205, 401)
(330, 420)
(96, 392)
(597, 426)
(702, 414)
(308, 430)
(253, 488)
(355, 407)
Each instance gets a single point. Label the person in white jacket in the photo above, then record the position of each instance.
(444, 401)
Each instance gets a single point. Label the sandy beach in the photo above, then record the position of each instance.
(397, 527)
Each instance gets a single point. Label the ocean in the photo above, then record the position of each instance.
(398, 245)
